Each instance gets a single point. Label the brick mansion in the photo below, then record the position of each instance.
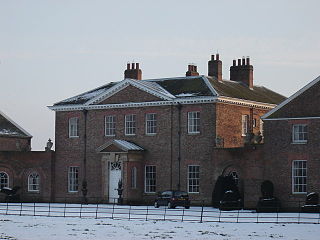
(171, 133)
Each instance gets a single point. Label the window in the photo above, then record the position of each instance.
(150, 179)
(130, 124)
(193, 178)
(299, 176)
(73, 127)
(73, 179)
(34, 182)
(245, 121)
(110, 125)
(134, 177)
(193, 122)
(151, 123)
(4, 180)
(261, 127)
(300, 133)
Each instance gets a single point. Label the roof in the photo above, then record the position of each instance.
(180, 87)
(298, 100)
(8, 128)
(122, 144)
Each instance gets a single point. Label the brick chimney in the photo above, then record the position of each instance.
(192, 70)
(215, 67)
(243, 72)
(134, 72)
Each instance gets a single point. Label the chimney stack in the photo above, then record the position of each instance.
(215, 67)
(192, 70)
(134, 72)
(243, 72)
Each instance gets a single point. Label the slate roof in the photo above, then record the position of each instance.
(8, 128)
(194, 86)
(122, 144)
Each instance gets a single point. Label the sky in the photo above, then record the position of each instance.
(54, 49)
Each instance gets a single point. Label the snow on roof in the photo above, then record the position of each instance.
(10, 128)
(127, 146)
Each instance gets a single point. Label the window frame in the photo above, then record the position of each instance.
(194, 122)
(193, 179)
(31, 177)
(74, 127)
(73, 185)
(7, 180)
(130, 124)
(151, 124)
(303, 178)
(134, 177)
(150, 184)
(110, 126)
(304, 133)
(244, 124)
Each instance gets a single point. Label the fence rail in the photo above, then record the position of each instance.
(128, 212)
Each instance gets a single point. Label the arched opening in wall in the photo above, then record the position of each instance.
(4, 180)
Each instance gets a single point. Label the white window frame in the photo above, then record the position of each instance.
(34, 182)
(299, 176)
(130, 124)
(194, 122)
(244, 124)
(110, 125)
(134, 177)
(299, 133)
(151, 124)
(193, 179)
(73, 127)
(4, 179)
(150, 178)
(73, 179)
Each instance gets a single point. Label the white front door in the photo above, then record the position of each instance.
(114, 177)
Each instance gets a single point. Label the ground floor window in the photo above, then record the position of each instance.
(193, 178)
(134, 177)
(150, 179)
(73, 179)
(34, 182)
(4, 180)
(299, 176)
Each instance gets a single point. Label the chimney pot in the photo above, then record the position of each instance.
(234, 62)
(217, 56)
(243, 61)
(132, 66)
(239, 62)
(212, 57)
(248, 61)
(128, 66)
(137, 65)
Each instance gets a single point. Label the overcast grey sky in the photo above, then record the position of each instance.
(52, 50)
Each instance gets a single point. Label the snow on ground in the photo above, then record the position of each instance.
(52, 228)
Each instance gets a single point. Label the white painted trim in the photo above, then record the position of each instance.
(122, 85)
(207, 82)
(246, 102)
(297, 118)
(298, 93)
(15, 124)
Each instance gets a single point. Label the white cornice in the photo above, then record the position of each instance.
(293, 118)
(190, 100)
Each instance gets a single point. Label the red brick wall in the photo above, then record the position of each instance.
(18, 165)
(14, 144)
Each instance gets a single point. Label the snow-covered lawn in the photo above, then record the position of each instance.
(51, 228)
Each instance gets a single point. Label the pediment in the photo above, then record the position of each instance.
(118, 146)
(129, 91)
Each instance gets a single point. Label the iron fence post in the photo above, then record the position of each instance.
(201, 213)
(113, 208)
(97, 209)
(64, 209)
(49, 209)
(80, 210)
(7, 208)
(34, 208)
(20, 209)
(147, 213)
(182, 215)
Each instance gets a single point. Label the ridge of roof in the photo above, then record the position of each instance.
(15, 125)
(293, 96)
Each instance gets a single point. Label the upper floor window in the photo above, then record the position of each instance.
(193, 178)
(299, 176)
(110, 125)
(74, 127)
(244, 121)
(151, 123)
(34, 182)
(193, 122)
(73, 179)
(150, 179)
(130, 124)
(4, 180)
(300, 133)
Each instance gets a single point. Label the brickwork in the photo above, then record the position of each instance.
(14, 144)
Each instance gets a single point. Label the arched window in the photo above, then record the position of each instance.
(4, 180)
(235, 177)
(34, 182)
(134, 177)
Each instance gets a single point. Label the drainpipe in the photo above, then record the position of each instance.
(84, 181)
(179, 145)
(171, 147)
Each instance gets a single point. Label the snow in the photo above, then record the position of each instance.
(8, 132)
(127, 145)
(140, 225)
